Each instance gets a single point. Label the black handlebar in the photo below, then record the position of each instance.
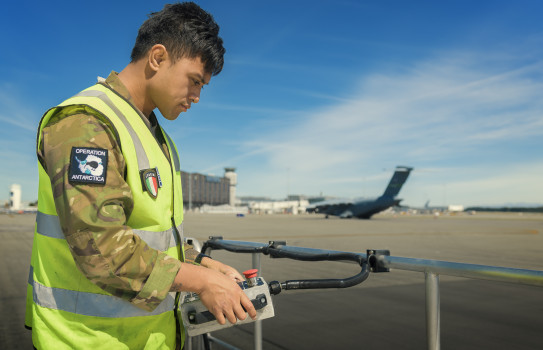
(279, 249)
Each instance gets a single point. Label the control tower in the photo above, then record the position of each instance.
(15, 197)
(230, 173)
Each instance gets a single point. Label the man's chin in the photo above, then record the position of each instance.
(172, 116)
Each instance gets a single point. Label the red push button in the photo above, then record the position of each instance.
(250, 273)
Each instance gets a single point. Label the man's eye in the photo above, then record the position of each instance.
(199, 84)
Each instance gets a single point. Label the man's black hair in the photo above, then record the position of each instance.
(186, 31)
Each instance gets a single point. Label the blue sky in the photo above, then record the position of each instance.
(316, 97)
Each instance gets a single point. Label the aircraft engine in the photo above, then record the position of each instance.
(346, 214)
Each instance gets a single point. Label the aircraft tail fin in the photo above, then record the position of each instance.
(397, 181)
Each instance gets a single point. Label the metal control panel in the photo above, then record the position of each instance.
(198, 320)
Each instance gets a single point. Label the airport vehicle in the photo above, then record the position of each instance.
(364, 208)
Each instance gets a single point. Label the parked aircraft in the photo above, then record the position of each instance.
(427, 209)
(364, 208)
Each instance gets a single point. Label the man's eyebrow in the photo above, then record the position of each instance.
(200, 78)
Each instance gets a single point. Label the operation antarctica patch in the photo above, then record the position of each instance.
(88, 165)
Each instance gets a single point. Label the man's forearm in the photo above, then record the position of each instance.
(189, 278)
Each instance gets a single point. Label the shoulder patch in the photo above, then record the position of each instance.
(88, 165)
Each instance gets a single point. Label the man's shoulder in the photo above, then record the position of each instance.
(71, 119)
(72, 114)
(77, 127)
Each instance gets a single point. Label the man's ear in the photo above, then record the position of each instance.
(158, 55)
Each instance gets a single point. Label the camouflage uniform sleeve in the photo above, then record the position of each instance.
(93, 217)
(190, 253)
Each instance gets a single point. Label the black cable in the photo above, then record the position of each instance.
(328, 283)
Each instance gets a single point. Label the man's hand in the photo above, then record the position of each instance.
(223, 268)
(191, 254)
(218, 292)
(224, 298)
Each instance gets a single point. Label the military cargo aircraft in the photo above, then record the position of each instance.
(364, 208)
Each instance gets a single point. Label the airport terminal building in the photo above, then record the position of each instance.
(203, 193)
(200, 189)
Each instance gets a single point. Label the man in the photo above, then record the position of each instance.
(107, 260)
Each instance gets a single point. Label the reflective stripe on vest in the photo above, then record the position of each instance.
(176, 156)
(91, 304)
(49, 225)
(143, 161)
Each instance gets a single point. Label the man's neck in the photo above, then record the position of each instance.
(133, 78)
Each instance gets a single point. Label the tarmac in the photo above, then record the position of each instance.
(387, 311)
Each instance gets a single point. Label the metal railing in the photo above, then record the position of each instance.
(381, 261)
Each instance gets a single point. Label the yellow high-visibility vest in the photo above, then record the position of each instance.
(64, 309)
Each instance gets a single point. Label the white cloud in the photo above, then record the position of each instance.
(17, 143)
(477, 185)
(14, 111)
(455, 111)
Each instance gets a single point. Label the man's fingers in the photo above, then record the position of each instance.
(231, 272)
(249, 307)
(219, 316)
(237, 276)
(231, 317)
(233, 277)
(232, 314)
(240, 313)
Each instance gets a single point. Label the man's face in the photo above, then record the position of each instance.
(176, 86)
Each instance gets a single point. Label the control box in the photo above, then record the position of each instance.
(198, 320)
